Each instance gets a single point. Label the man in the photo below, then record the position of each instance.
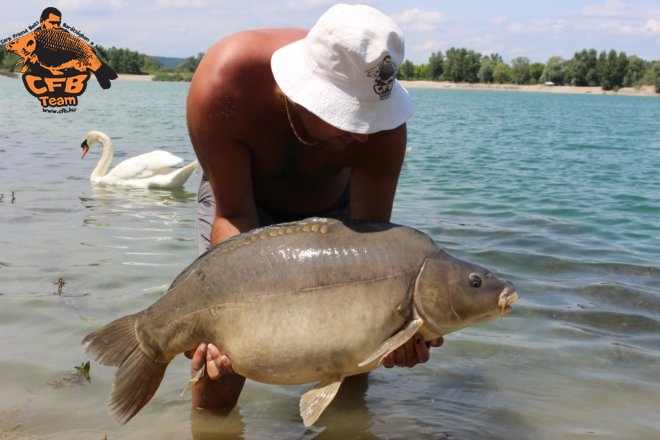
(51, 18)
(288, 124)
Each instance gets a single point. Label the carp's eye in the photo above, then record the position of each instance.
(475, 280)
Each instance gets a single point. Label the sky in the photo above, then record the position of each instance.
(510, 28)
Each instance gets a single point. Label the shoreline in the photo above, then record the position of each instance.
(627, 91)
(134, 77)
(542, 88)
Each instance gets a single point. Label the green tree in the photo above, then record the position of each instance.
(635, 72)
(604, 71)
(422, 71)
(126, 61)
(9, 62)
(655, 69)
(190, 64)
(485, 74)
(612, 69)
(535, 72)
(150, 64)
(554, 70)
(472, 66)
(436, 65)
(520, 70)
(584, 68)
(406, 71)
(495, 57)
(502, 73)
(620, 68)
(462, 65)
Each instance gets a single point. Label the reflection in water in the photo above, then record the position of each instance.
(130, 215)
(112, 200)
(347, 415)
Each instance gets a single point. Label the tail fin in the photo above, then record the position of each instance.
(104, 74)
(138, 376)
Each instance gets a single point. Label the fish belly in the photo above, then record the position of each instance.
(307, 336)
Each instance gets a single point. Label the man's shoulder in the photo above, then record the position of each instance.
(241, 61)
(267, 39)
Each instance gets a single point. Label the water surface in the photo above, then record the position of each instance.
(558, 193)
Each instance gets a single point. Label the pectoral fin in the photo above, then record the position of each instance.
(314, 401)
(394, 342)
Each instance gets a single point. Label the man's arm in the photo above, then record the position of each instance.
(373, 187)
(216, 125)
(375, 175)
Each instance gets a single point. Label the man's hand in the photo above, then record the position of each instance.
(413, 352)
(219, 388)
(216, 364)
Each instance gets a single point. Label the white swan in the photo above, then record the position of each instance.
(149, 170)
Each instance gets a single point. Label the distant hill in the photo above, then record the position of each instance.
(170, 61)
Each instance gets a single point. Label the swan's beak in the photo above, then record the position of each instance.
(85, 148)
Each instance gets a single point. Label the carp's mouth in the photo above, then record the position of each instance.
(507, 297)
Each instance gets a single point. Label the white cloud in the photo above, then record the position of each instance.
(432, 45)
(652, 26)
(611, 8)
(499, 20)
(419, 20)
(480, 41)
(540, 26)
(85, 6)
(307, 4)
(177, 4)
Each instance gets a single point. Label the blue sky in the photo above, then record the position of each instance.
(512, 28)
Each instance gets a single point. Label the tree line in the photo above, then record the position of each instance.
(125, 61)
(608, 70)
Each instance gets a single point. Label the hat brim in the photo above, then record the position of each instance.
(297, 79)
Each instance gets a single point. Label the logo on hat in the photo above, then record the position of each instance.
(384, 74)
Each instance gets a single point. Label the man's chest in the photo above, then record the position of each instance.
(301, 161)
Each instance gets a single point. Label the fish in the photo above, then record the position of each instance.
(312, 301)
(57, 50)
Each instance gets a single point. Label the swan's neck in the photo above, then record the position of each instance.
(104, 161)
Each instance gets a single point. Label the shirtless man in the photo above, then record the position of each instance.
(288, 124)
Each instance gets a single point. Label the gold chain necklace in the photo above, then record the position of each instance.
(295, 133)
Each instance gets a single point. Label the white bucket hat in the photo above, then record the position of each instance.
(344, 70)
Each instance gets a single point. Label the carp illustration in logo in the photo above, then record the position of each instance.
(57, 50)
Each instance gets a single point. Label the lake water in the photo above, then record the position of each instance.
(558, 193)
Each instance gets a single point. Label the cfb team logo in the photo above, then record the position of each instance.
(56, 63)
(384, 74)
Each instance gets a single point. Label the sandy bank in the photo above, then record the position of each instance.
(630, 91)
(132, 77)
